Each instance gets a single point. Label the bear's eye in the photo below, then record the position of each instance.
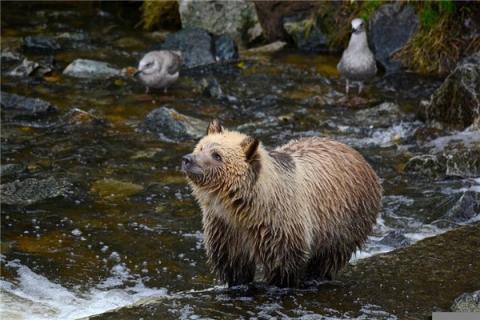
(216, 156)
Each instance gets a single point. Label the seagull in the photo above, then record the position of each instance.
(358, 62)
(159, 69)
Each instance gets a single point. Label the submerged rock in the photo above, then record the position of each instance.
(457, 102)
(234, 18)
(467, 302)
(427, 165)
(19, 106)
(171, 126)
(383, 115)
(462, 160)
(306, 34)
(211, 88)
(395, 239)
(91, 69)
(10, 169)
(466, 207)
(271, 47)
(32, 190)
(390, 28)
(112, 188)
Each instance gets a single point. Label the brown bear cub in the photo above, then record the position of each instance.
(300, 210)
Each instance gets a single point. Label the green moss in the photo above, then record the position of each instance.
(440, 42)
(160, 14)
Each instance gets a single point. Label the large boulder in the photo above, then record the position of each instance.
(272, 14)
(172, 126)
(199, 47)
(457, 102)
(235, 18)
(390, 28)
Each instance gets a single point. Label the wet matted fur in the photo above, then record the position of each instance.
(300, 211)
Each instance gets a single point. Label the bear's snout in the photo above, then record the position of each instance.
(187, 161)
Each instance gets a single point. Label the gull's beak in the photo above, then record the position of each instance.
(136, 73)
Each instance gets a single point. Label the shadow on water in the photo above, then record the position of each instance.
(127, 227)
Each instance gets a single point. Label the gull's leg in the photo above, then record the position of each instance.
(360, 87)
(165, 90)
(346, 87)
(147, 90)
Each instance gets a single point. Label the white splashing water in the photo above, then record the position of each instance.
(35, 297)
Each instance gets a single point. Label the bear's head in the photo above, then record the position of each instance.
(223, 160)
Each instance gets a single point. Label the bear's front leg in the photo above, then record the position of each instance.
(284, 260)
(227, 253)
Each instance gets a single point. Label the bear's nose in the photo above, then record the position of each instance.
(187, 160)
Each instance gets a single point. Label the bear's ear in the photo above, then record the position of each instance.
(249, 146)
(214, 127)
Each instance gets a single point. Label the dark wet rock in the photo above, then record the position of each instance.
(40, 43)
(170, 125)
(78, 118)
(427, 165)
(16, 106)
(272, 14)
(91, 69)
(234, 18)
(390, 28)
(31, 190)
(378, 281)
(462, 160)
(195, 44)
(30, 68)
(11, 169)
(306, 34)
(466, 207)
(395, 239)
(467, 302)
(225, 48)
(211, 88)
(457, 102)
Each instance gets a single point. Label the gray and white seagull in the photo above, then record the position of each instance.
(159, 69)
(358, 62)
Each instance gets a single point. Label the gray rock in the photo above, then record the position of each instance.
(390, 28)
(31, 190)
(467, 302)
(235, 18)
(427, 165)
(40, 43)
(195, 44)
(225, 48)
(395, 239)
(30, 68)
(91, 69)
(18, 106)
(457, 102)
(172, 126)
(306, 34)
(10, 55)
(462, 160)
(466, 207)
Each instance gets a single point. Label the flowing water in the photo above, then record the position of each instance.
(130, 228)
